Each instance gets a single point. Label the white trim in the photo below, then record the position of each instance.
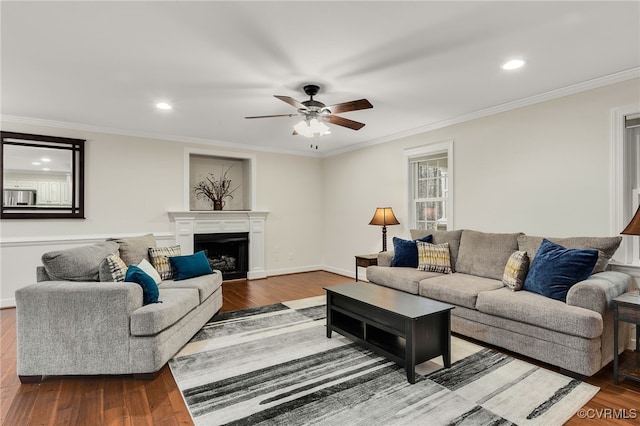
(294, 270)
(618, 201)
(149, 135)
(433, 148)
(74, 239)
(222, 154)
(531, 100)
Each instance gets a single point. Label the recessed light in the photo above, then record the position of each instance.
(513, 64)
(163, 105)
(46, 160)
(46, 169)
(36, 163)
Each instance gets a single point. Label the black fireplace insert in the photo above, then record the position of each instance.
(227, 252)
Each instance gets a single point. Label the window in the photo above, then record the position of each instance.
(625, 198)
(430, 182)
(632, 164)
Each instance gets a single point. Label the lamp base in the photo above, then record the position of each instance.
(384, 238)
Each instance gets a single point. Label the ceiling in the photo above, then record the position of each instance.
(104, 65)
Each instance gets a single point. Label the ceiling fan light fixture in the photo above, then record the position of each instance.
(310, 128)
(302, 128)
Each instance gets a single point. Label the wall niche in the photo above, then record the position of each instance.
(240, 170)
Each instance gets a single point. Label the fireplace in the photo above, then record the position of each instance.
(190, 224)
(228, 252)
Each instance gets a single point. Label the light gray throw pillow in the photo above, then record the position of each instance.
(78, 264)
(134, 249)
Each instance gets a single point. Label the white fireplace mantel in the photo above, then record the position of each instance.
(189, 223)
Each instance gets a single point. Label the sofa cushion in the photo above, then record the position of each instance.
(403, 279)
(152, 319)
(555, 269)
(516, 270)
(606, 246)
(433, 257)
(112, 268)
(205, 284)
(406, 252)
(149, 286)
(134, 249)
(190, 266)
(458, 289)
(160, 260)
(440, 237)
(485, 254)
(150, 270)
(540, 311)
(79, 263)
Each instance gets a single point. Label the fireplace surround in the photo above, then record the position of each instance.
(188, 224)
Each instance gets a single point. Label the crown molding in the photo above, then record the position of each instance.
(531, 100)
(147, 135)
(520, 103)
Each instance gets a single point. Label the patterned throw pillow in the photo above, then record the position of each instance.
(160, 260)
(516, 270)
(434, 257)
(116, 267)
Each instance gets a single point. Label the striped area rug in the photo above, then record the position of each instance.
(274, 365)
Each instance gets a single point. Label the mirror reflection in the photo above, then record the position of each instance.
(41, 176)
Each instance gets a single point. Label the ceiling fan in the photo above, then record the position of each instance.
(315, 113)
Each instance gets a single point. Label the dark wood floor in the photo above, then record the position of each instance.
(121, 400)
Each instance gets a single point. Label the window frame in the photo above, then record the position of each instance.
(622, 203)
(411, 183)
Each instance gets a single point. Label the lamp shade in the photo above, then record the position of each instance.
(633, 228)
(384, 216)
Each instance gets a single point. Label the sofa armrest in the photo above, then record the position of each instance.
(66, 327)
(595, 293)
(384, 258)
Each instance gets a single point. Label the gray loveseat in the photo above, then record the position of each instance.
(91, 327)
(576, 336)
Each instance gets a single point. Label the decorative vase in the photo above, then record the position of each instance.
(217, 205)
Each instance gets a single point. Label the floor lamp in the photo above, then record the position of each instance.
(382, 217)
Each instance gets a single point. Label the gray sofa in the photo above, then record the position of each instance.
(92, 327)
(576, 336)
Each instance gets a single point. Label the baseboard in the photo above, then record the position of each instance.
(7, 303)
(294, 270)
(339, 271)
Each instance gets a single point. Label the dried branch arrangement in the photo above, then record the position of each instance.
(215, 190)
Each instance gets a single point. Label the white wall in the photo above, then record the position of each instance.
(131, 184)
(542, 169)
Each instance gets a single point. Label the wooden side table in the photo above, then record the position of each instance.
(626, 309)
(365, 260)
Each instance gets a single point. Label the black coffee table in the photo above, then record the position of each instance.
(402, 327)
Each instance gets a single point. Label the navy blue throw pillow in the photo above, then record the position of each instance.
(190, 266)
(150, 292)
(405, 252)
(555, 269)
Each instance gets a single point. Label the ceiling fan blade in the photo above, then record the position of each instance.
(350, 106)
(291, 101)
(344, 122)
(271, 116)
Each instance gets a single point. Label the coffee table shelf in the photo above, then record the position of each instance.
(402, 327)
(369, 334)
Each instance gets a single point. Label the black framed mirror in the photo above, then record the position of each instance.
(42, 177)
